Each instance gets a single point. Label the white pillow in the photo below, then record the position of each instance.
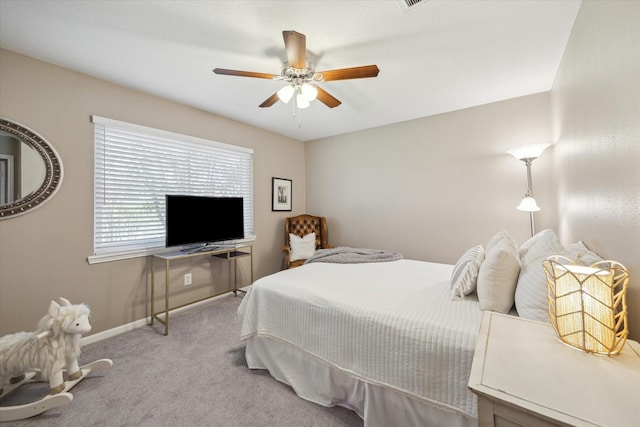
(498, 275)
(542, 245)
(302, 247)
(500, 236)
(465, 273)
(531, 290)
(580, 254)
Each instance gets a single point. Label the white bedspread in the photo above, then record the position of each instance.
(392, 324)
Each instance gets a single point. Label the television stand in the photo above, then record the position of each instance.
(204, 248)
(230, 253)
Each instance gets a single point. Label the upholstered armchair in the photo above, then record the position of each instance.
(303, 225)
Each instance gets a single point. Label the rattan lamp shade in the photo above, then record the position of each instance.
(587, 305)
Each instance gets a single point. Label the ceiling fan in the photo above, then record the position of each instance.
(301, 76)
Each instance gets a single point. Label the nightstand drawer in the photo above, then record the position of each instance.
(495, 414)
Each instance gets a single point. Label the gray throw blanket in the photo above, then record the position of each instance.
(345, 255)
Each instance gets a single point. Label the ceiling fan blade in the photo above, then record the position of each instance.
(270, 101)
(296, 46)
(326, 98)
(351, 73)
(244, 73)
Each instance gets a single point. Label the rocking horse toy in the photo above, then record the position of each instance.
(43, 355)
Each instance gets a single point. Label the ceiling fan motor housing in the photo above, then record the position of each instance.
(299, 75)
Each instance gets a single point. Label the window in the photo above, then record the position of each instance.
(136, 166)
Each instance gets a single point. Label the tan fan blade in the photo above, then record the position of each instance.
(243, 73)
(326, 98)
(296, 46)
(351, 73)
(270, 101)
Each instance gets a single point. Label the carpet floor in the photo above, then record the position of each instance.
(195, 376)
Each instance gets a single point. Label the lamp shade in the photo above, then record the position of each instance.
(301, 101)
(528, 204)
(286, 93)
(587, 305)
(309, 92)
(528, 151)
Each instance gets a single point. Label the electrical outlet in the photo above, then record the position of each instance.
(188, 279)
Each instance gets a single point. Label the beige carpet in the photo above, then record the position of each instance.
(196, 376)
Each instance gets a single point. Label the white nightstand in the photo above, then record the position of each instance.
(524, 376)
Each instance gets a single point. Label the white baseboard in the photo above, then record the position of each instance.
(114, 331)
(142, 322)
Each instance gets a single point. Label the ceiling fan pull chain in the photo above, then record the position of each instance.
(296, 111)
(294, 107)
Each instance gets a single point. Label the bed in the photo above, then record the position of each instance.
(385, 339)
(390, 338)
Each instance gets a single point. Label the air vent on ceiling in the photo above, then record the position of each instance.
(410, 3)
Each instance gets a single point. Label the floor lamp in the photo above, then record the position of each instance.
(528, 154)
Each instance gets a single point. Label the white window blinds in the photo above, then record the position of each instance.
(135, 167)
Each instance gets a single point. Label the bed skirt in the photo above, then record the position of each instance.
(318, 382)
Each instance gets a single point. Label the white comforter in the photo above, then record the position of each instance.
(393, 324)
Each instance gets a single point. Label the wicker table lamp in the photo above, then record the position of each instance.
(587, 305)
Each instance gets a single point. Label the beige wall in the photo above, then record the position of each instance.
(433, 187)
(43, 253)
(596, 112)
(430, 187)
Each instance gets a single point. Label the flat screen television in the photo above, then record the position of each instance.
(203, 220)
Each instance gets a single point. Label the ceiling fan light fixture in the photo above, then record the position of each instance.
(286, 93)
(301, 101)
(309, 92)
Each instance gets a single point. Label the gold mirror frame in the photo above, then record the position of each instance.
(53, 170)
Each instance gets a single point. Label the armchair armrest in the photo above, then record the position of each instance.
(287, 256)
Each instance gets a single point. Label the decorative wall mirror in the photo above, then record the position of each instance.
(30, 169)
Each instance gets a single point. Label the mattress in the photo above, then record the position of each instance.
(388, 324)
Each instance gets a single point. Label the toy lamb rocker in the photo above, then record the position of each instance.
(44, 354)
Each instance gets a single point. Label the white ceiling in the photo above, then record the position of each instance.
(438, 56)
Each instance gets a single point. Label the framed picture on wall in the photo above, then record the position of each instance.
(281, 194)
